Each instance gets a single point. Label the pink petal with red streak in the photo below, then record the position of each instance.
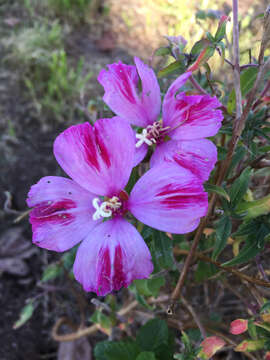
(192, 117)
(62, 213)
(112, 256)
(122, 94)
(99, 158)
(169, 198)
(198, 156)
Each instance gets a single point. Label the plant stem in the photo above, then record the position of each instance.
(236, 68)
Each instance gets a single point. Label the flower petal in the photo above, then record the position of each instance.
(121, 82)
(169, 103)
(168, 198)
(99, 158)
(192, 116)
(112, 256)
(62, 214)
(198, 156)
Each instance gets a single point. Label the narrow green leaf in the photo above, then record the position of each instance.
(265, 307)
(218, 190)
(51, 272)
(204, 271)
(254, 244)
(239, 187)
(162, 51)
(149, 287)
(25, 315)
(112, 350)
(223, 231)
(152, 335)
(146, 355)
(173, 67)
(247, 79)
(162, 251)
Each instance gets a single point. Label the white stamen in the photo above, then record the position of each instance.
(105, 209)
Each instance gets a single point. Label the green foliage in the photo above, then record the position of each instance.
(25, 315)
(161, 247)
(223, 231)
(75, 10)
(153, 340)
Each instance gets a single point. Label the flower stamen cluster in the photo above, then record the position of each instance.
(151, 134)
(106, 208)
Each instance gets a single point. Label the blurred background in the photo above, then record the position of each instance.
(51, 53)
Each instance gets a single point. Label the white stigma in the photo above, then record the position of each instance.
(105, 209)
(143, 138)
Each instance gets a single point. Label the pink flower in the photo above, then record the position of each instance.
(99, 161)
(186, 121)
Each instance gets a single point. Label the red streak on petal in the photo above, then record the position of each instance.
(103, 151)
(182, 201)
(125, 83)
(104, 273)
(189, 161)
(89, 148)
(54, 213)
(172, 190)
(119, 277)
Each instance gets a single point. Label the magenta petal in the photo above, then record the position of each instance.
(112, 256)
(198, 156)
(99, 158)
(169, 198)
(62, 213)
(170, 118)
(121, 83)
(193, 117)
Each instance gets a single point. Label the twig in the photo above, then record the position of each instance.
(85, 331)
(236, 68)
(197, 85)
(195, 316)
(225, 268)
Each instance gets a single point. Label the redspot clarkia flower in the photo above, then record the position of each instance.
(99, 160)
(186, 119)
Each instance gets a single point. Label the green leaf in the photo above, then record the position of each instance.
(162, 251)
(146, 355)
(239, 187)
(204, 271)
(25, 315)
(253, 245)
(218, 190)
(237, 157)
(162, 51)
(223, 231)
(112, 350)
(247, 80)
(149, 287)
(173, 67)
(51, 272)
(265, 307)
(253, 209)
(152, 335)
(199, 46)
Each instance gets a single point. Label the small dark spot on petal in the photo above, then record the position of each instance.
(109, 235)
(69, 192)
(48, 181)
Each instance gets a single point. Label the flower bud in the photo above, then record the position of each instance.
(238, 326)
(210, 346)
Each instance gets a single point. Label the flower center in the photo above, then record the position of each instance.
(151, 134)
(106, 208)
